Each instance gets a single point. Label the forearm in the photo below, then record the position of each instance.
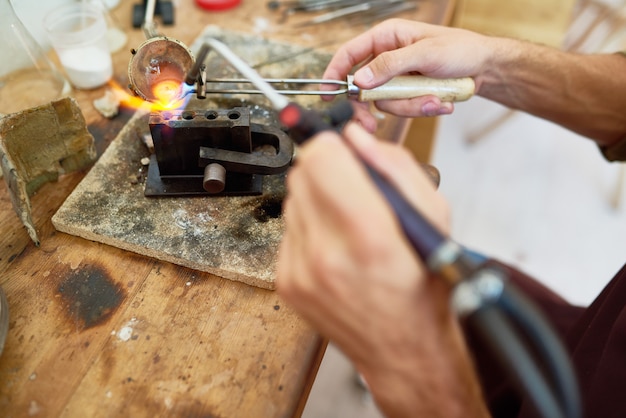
(430, 374)
(584, 93)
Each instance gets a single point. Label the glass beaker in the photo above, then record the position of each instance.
(115, 36)
(78, 35)
(27, 77)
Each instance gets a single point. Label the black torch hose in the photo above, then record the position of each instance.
(556, 360)
(493, 328)
(558, 397)
(305, 123)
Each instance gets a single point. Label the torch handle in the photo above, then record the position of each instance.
(408, 87)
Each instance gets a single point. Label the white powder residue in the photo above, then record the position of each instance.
(181, 219)
(87, 67)
(169, 403)
(126, 332)
(33, 408)
(195, 225)
(261, 25)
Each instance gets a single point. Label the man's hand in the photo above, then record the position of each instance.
(399, 47)
(346, 267)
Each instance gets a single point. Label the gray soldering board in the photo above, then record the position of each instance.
(233, 237)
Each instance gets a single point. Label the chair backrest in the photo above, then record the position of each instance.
(597, 26)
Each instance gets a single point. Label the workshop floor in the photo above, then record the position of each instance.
(530, 193)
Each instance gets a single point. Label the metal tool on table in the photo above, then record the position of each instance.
(354, 10)
(400, 87)
(309, 5)
(481, 295)
(199, 151)
(365, 12)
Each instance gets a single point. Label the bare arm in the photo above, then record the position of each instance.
(584, 93)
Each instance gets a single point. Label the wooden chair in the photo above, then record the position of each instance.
(596, 26)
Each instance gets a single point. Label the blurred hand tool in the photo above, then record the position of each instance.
(401, 87)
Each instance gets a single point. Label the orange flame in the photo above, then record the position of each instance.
(169, 94)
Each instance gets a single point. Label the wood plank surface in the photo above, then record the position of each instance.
(101, 332)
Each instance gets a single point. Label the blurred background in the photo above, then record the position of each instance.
(32, 12)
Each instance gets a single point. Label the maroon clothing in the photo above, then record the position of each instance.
(595, 337)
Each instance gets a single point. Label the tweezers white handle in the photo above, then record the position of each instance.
(408, 87)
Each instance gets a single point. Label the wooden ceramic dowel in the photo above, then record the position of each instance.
(407, 87)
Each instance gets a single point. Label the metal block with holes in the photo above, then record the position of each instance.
(213, 152)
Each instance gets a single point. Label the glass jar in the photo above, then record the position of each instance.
(27, 77)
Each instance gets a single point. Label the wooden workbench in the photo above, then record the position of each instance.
(99, 332)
